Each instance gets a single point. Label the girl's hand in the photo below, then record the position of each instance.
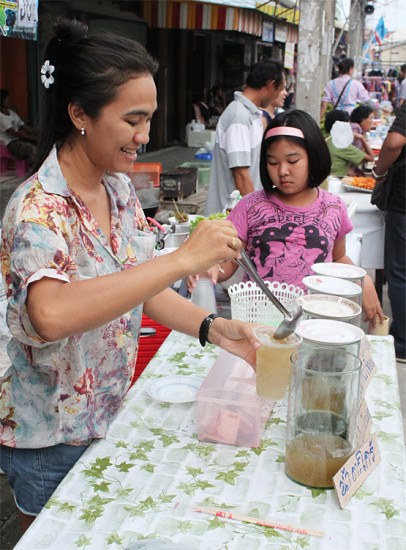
(211, 273)
(235, 337)
(370, 302)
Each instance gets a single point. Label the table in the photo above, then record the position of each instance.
(369, 221)
(145, 477)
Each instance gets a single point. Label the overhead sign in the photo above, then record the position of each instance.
(19, 19)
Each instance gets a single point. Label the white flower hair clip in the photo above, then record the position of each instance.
(46, 74)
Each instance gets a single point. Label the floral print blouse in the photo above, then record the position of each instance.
(66, 391)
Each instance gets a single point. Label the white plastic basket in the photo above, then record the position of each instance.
(249, 303)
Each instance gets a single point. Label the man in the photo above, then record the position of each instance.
(235, 163)
(392, 159)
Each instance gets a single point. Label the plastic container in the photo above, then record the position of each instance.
(325, 306)
(203, 171)
(249, 303)
(146, 174)
(228, 408)
(203, 294)
(337, 335)
(322, 284)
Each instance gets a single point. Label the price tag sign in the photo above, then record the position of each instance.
(368, 367)
(356, 470)
(364, 423)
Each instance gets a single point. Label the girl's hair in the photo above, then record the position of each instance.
(333, 116)
(313, 143)
(345, 65)
(360, 113)
(88, 71)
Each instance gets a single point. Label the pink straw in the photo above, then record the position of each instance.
(228, 515)
(284, 131)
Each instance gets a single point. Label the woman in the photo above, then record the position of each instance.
(361, 122)
(344, 92)
(77, 260)
(274, 108)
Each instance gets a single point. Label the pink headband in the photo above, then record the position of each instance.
(284, 131)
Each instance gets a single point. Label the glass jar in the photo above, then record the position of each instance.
(322, 415)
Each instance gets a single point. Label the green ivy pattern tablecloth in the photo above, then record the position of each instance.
(144, 479)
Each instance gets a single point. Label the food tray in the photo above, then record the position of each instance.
(349, 184)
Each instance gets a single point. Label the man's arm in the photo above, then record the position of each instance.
(243, 180)
(391, 149)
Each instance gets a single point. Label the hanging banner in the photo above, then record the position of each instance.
(289, 55)
(19, 19)
(268, 31)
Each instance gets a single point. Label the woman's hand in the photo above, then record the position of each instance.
(235, 337)
(212, 242)
(370, 302)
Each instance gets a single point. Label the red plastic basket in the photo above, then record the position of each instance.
(149, 345)
(144, 174)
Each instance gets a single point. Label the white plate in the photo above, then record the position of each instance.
(326, 305)
(174, 389)
(331, 285)
(349, 187)
(342, 271)
(329, 332)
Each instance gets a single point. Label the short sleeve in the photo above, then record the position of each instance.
(37, 252)
(239, 218)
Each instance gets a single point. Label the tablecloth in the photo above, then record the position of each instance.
(144, 479)
(368, 221)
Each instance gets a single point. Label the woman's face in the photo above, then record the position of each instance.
(366, 124)
(288, 167)
(280, 100)
(113, 138)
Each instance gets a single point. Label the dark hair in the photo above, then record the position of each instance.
(345, 65)
(264, 71)
(88, 71)
(3, 94)
(333, 116)
(360, 113)
(313, 143)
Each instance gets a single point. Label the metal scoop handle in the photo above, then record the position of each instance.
(247, 266)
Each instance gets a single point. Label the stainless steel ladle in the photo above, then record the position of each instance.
(291, 316)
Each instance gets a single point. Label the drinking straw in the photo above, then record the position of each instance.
(237, 517)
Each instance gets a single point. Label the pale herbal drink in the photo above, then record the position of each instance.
(273, 363)
(313, 459)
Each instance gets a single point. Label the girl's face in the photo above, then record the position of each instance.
(288, 168)
(366, 124)
(112, 140)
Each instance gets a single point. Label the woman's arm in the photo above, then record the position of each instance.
(58, 309)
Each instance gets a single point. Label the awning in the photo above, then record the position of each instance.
(206, 15)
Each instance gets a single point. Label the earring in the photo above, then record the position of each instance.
(83, 131)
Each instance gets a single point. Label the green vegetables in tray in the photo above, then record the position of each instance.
(198, 219)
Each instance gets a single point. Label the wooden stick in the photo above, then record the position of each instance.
(237, 517)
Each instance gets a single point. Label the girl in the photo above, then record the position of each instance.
(292, 223)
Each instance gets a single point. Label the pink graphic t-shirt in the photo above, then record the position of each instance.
(284, 241)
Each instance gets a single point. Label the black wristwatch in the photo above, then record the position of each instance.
(205, 327)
